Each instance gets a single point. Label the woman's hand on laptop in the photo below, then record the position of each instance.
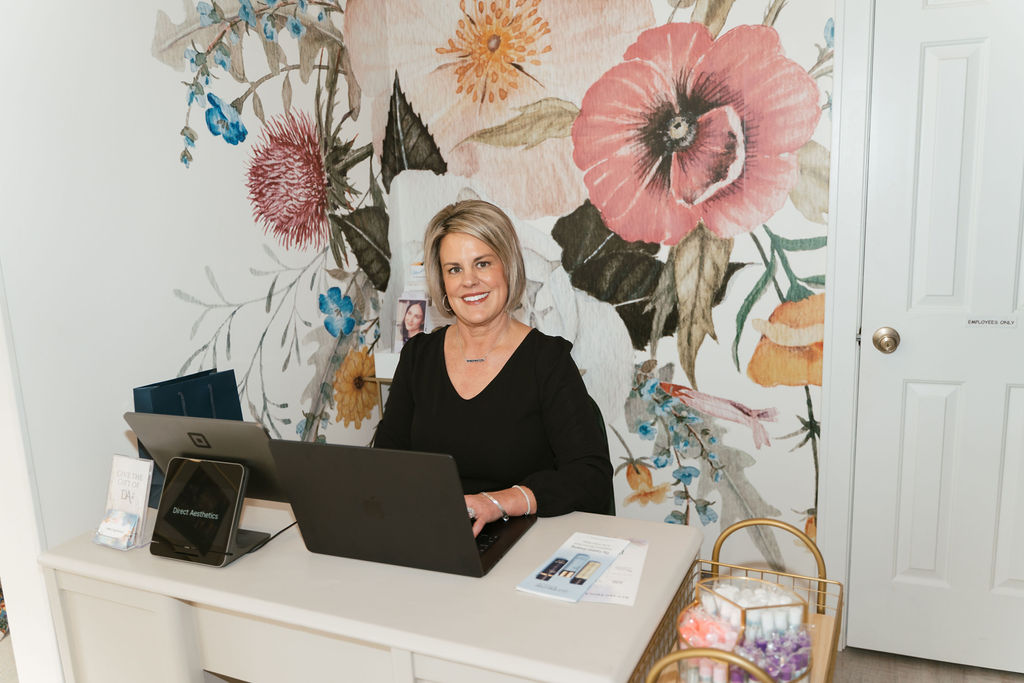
(490, 506)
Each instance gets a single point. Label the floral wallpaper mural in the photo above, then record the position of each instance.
(665, 162)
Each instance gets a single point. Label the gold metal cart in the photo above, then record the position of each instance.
(823, 596)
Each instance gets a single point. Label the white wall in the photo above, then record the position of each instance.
(100, 223)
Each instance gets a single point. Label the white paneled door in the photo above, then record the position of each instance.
(937, 555)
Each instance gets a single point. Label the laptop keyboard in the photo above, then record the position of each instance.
(485, 541)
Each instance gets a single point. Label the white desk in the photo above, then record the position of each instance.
(285, 614)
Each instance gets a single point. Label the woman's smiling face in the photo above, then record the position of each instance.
(474, 279)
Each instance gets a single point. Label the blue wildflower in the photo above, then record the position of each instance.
(303, 4)
(222, 119)
(666, 408)
(680, 497)
(222, 58)
(320, 16)
(269, 30)
(190, 57)
(717, 476)
(706, 514)
(338, 310)
(674, 517)
(271, 3)
(647, 431)
(662, 459)
(649, 387)
(195, 95)
(300, 427)
(830, 32)
(186, 158)
(247, 14)
(295, 27)
(713, 457)
(686, 474)
(208, 15)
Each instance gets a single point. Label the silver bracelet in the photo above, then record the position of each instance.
(517, 486)
(504, 515)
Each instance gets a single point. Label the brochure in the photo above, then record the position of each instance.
(621, 583)
(124, 522)
(574, 567)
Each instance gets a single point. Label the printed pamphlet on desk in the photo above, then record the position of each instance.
(574, 567)
(124, 523)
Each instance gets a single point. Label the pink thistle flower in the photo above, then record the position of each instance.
(725, 409)
(287, 183)
(690, 129)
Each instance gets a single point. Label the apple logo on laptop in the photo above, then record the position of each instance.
(372, 507)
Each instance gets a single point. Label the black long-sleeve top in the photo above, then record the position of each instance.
(533, 425)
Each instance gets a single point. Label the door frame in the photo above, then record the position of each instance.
(851, 109)
(36, 654)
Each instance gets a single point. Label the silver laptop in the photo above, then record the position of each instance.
(245, 443)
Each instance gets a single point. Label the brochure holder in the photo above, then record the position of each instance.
(199, 511)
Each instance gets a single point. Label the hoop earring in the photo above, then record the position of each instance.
(446, 304)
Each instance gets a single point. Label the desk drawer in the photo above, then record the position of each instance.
(261, 650)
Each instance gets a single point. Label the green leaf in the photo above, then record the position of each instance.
(536, 122)
(730, 270)
(739, 498)
(699, 261)
(257, 108)
(270, 293)
(748, 303)
(806, 244)
(213, 283)
(366, 230)
(810, 194)
(407, 142)
(797, 292)
(286, 93)
(355, 93)
(814, 280)
(337, 243)
(376, 195)
(624, 274)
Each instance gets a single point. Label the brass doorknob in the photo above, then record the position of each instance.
(886, 339)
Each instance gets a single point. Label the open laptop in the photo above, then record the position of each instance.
(397, 507)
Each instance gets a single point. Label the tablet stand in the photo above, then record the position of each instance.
(199, 511)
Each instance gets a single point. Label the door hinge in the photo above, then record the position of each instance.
(858, 336)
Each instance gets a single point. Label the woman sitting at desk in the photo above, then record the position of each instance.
(505, 400)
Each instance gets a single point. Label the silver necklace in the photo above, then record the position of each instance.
(482, 358)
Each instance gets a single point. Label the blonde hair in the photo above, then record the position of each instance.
(490, 225)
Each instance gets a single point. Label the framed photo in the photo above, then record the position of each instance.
(411, 319)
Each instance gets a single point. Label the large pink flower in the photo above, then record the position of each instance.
(467, 67)
(692, 129)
